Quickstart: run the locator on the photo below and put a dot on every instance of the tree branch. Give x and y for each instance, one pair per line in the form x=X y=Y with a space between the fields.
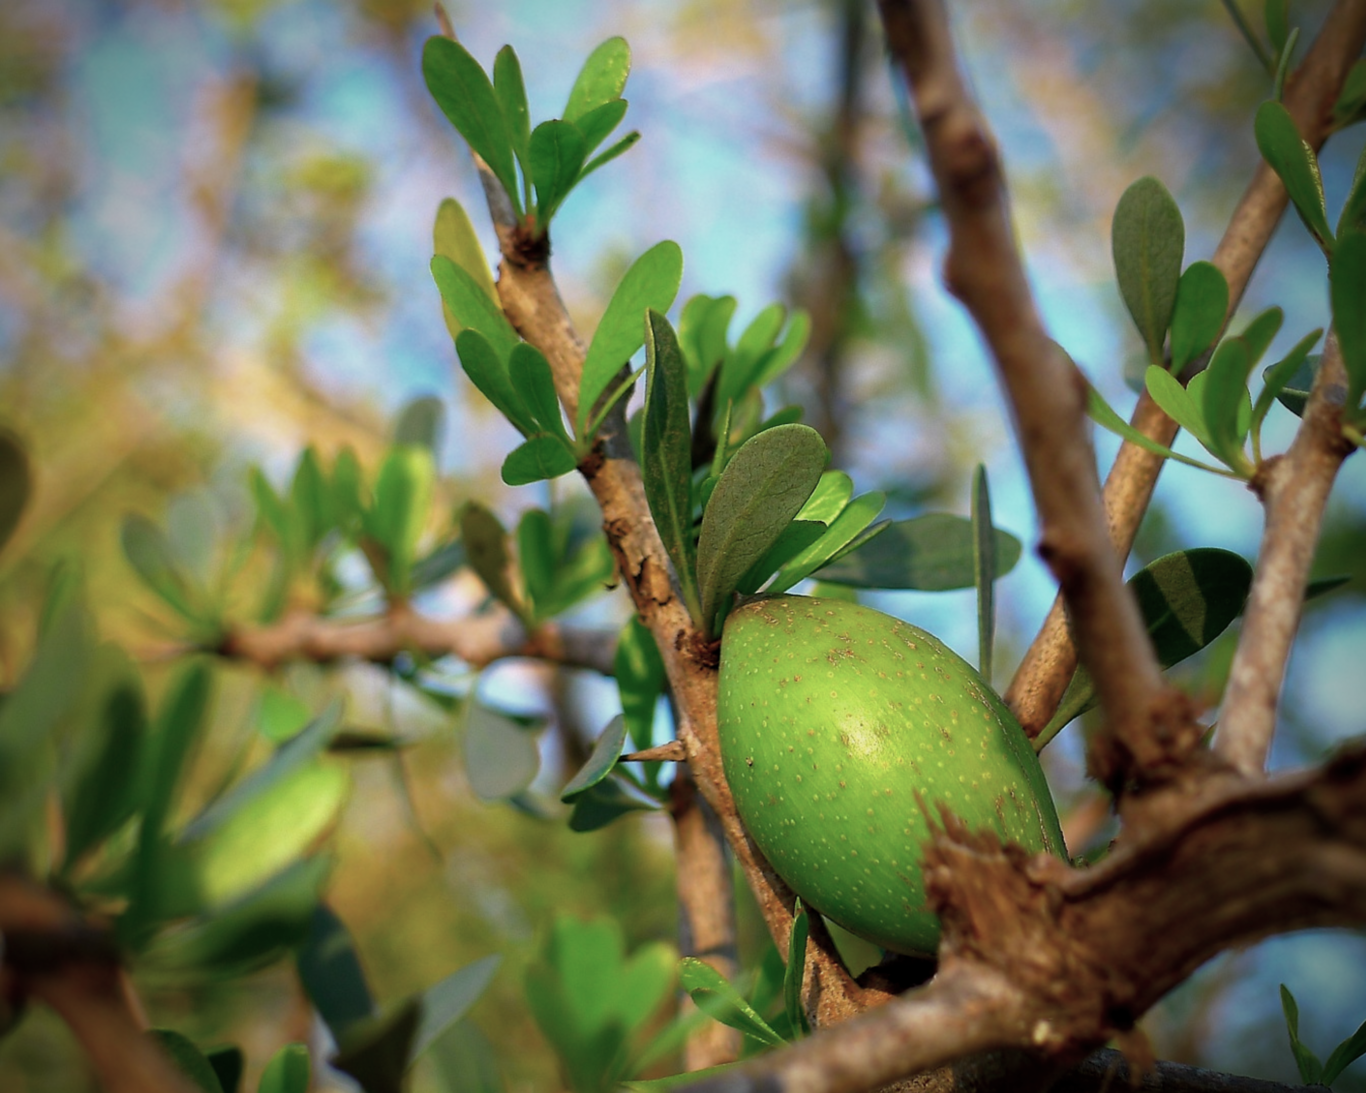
x=1147 y=727
x=478 y=640
x=1048 y=665
x=1294 y=487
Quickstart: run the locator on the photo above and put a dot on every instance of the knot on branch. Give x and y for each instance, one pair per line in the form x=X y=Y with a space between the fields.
x=526 y=247
x=1165 y=749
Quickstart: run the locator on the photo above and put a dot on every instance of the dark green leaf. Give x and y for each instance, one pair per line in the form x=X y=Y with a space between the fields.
x=1103 y=415
x=1294 y=391
x=486 y=547
x=187 y=1059
x=984 y=569
x=16 y=484
x=715 y=997
x=448 y=1001
x=844 y=529
x=1225 y=388
x=538 y=458
x=1147 y=239
x=1353 y=218
x=651 y=282
x=287 y=1071
x=606 y=801
x=501 y=757
x=932 y=553
x=480 y=362
x=795 y=971
x=1344 y=1055
x=228 y=1063
x=1276 y=14
x=666 y=453
x=1323 y=585
x=174 y=734
x=639 y=673
x=599 y=122
x=107 y=795
x=1276 y=376
x=149 y=553
x=1311 y=1070
x=1290 y=156
x=1352 y=98
x=602 y=78
x=687 y=1077
x=605 y=754
x=462 y=89
x=1260 y=333
x=531 y=377
x=331 y=973
x=797 y=538
x=1347 y=281
x=471 y=307
x=1201 y=304
x=510 y=89
x=376 y=1052
x=421 y=424
x=763 y=487
x=557 y=155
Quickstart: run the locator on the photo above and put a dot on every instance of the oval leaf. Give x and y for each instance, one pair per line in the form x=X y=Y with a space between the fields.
x=605 y=754
x=931 y=553
x=1147 y=240
x=501 y=757
x=715 y=997
x=602 y=78
x=1290 y=156
x=1198 y=316
x=538 y=458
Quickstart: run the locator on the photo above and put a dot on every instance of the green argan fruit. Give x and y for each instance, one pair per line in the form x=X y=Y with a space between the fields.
x=840 y=728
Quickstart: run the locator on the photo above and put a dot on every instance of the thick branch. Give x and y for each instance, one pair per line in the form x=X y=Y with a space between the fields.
x=478 y=640
x=1047 y=396
x=1043 y=674
x=1294 y=488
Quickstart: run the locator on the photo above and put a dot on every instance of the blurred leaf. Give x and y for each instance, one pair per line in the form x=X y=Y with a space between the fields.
x=984 y=569
x=309 y=500
x=1225 y=388
x=605 y=754
x=1275 y=377
x=280 y=715
x=107 y=795
x=602 y=79
x=843 y=530
x=536 y=553
x=16 y=484
x=666 y=453
x=1187 y=599
x=651 y=282
x=187 y=1059
x=1352 y=98
x=490 y=375
x=501 y=757
x=1347 y=281
x=462 y=89
x=466 y=1060
x=376 y=1052
x=228 y=1062
x=448 y=1001
x=557 y=155
x=715 y=997
x=1290 y=156
x=608 y=800
x=175 y=732
x=345 y=490
x=763 y=487
x=650 y=1085
x=403 y=498
x=1311 y=1070
x=795 y=971
x=1147 y=239
x=331 y=973
x=486 y=547
x=538 y=458
x=1344 y=1055
x=742 y=365
x=1276 y=15
x=510 y=89
x=149 y=553
x=1324 y=585
x=1198 y=316
x=639 y=673
x=421 y=424
x=931 y=553
x=434 y=567
x=471 y=307
x=287 y=1071
x=786 y=352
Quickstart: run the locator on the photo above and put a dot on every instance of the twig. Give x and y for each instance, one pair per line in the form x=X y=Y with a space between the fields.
x=672 y=752
x=478 y=640
x=1147 y=727
x=1294 y=488
x=1043 y=674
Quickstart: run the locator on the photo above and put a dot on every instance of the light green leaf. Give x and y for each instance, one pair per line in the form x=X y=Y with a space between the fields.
x=481 y=363
x=403 y=498
x=530 y=375
x=602 y=78
x=715 y=997
x=1176 y=402
x=651 y=282
x=538 y=458
x=762 y=489
x=1347 y=283
x=795 y=539
x=795 y=971
x=931 y=553
x=1102 y=414
x=1147 y=239
x=605 y=754
x=604 y=158
x=149 y=553
x=639 y=673
x=828 y=499
x=287 y=1071
x=702 y=335
x=1290 y=156
x=598 y=123
x=1201 y=304
x=843 y=530
x=1224 y=392
x=786 y=352
x=471 y=307
x=453 y=237
x=537 y=558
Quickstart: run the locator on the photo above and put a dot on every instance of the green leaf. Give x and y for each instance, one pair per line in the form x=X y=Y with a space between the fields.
x=449 y=1000
x=530 y=376
x=786 y=352
x=149 y=553
x=466 y=1061
x=828 y=499
x=376 y=1052
x=308 y=494
x=605 y=754
x=403 y=497
x=1187 y=599
x=666 y=453
x=1352 y=98
x=931 y=553
x=1225 y=389
x=651 y=282
x=598 y=123
x=602 y=78
x=330 y=971
x=1344 y=1055
x=471 y=307
x=16 y=484
x=1311 y=1070
x=762 y=489
x=797 y=538
x=174 y=734
x=1260 y=333
x=604 y=158
x=287 y=1071
x=1294 y=391
x=228 y=1062
x=639 y=673
x=1176 y=402
x=1290 y=156
x=106 y=796
x=557 y=155
x=1103 y=415
x=438 y=564
x=420 y=424
x=486 y=547
x=609 y=800
x=687 y=1077
x=344 y=492
x=501 y=757
x=510 y=90
x=1147 y=240
x=187 y=1059
x=715 y=997
x=462 y=89
x=741 y=366
x=843 y=530
x=537 y=557
x=796 y=971
x=1276 y=15
x=1353 y=217
x=1347 y=284
x=481 y=363
x=1198 y=316
x=984 y=569
x=538 y=458
x=453 y=237
x=702 y=335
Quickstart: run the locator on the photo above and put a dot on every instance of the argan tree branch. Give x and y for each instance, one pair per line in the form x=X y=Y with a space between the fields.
x=1147 y=727
x=1048 y=665
x=1294 y=487
x=478 y=640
